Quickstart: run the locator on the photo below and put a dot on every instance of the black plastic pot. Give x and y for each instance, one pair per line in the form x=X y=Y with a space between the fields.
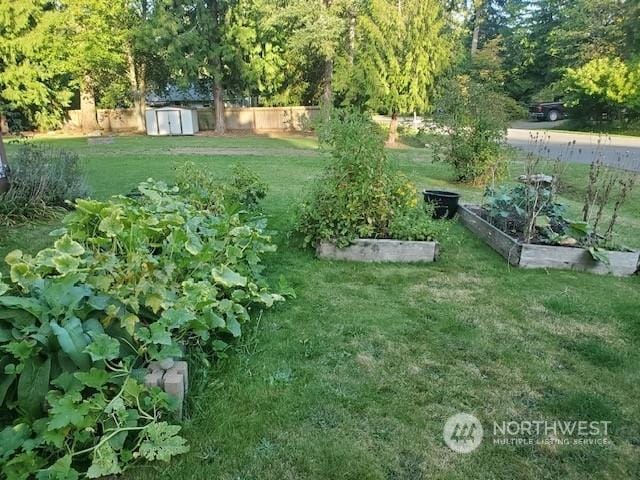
x=445 y=203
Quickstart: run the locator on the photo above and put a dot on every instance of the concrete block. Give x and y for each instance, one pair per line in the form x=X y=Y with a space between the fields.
x=154 y=365
x=182 y=368
x=154 y=378
x=174 y=386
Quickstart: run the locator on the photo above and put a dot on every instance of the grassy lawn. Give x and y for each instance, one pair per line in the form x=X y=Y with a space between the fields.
x=355 y=378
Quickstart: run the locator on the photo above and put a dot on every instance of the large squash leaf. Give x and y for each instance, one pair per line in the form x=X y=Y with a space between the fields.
x=33 y=385
x=72 y=341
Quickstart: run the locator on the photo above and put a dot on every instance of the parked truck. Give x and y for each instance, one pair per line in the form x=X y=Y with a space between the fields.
x=547 y=111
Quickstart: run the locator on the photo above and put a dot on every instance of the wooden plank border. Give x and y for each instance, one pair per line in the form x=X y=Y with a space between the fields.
x=380 y=250
x=528 y=255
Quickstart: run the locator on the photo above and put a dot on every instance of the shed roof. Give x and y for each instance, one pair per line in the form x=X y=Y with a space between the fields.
x=175 y=94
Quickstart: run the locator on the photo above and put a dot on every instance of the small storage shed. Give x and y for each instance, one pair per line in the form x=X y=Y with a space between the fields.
x=172 y=121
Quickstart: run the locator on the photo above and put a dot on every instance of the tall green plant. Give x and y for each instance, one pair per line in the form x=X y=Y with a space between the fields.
x=476 y=120
x=360 y=193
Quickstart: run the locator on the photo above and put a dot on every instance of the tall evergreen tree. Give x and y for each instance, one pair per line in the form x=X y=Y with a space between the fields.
x=34 y=74
x=319 y=30
x=400 y=50
x=195 y=42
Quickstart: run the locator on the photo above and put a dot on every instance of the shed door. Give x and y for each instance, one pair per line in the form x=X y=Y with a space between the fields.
x=169 y=122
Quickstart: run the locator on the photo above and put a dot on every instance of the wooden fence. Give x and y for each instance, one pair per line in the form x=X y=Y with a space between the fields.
x=236 y=119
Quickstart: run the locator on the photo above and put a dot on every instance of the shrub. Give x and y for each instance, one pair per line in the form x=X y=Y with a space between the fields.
x=476 y=117
x=128 y=280
x=42 y=180
x=245 y=190
x=604 y=87
x=359 y=193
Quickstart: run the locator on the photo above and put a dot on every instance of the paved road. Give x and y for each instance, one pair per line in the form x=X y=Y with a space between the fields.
x=623 y=152
x=616 y=150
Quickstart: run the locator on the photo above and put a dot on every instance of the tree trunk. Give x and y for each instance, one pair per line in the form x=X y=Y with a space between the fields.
x=327 y=78
x=88 y=113
x=393 y=129
x=327 y=75
x=137 y=83
x=4 y=167
x=218 y=105
x=218 y=89
x=352 y=36
x=475 y=37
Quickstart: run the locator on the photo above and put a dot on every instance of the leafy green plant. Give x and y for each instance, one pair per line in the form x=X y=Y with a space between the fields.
x=509 y=208
x=70 y=375
x=245 y=190
x=418 y=224
x=476 y=119
x=359 y=193
x=42 y=180
x=127 y=281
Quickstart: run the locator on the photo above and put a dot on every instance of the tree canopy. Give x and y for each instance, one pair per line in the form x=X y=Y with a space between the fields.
x=387 y=56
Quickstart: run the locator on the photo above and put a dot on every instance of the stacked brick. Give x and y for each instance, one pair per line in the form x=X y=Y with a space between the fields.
x=172 y=377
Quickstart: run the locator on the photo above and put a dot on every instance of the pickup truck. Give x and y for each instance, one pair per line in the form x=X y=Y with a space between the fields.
x=549 y=111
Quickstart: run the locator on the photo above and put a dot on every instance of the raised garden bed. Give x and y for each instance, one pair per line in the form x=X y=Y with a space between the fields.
x=528 y=255
x=380 y=250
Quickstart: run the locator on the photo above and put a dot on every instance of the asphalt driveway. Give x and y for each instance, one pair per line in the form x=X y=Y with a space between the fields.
x=619 y=151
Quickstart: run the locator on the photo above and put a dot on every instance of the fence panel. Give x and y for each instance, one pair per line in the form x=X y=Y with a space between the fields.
x=236 y=119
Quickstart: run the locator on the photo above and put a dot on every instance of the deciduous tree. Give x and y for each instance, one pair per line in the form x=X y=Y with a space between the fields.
x=95 y=39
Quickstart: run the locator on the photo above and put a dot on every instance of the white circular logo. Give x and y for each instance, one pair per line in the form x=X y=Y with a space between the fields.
x=463 y=433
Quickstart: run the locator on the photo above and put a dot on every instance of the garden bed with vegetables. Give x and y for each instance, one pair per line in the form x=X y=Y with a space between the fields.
x=363 y=209
x=528 y=226
x=531 y=255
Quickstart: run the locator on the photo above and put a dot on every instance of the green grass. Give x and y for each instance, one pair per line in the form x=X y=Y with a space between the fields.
x=355 y=378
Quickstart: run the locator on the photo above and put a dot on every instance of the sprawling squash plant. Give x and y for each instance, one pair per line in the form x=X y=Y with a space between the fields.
x=128 y=280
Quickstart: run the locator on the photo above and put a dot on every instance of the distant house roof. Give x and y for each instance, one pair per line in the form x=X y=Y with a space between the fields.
x=173 y=94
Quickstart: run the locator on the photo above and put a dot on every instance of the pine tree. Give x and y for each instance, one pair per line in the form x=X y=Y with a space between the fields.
x=34 y=77
x=401 y=48
x=195 y=43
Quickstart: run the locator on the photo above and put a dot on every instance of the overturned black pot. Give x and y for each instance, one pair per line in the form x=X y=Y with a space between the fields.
x=445 y=203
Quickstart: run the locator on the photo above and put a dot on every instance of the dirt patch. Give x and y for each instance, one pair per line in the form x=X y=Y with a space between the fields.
x=258 y=152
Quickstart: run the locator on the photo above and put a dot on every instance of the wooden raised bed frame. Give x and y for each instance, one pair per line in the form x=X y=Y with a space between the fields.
x=529 y=255
x=380 y=250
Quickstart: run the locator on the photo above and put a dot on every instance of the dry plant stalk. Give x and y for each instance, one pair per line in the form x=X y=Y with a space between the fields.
x=626 y=187
x=535 y=202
